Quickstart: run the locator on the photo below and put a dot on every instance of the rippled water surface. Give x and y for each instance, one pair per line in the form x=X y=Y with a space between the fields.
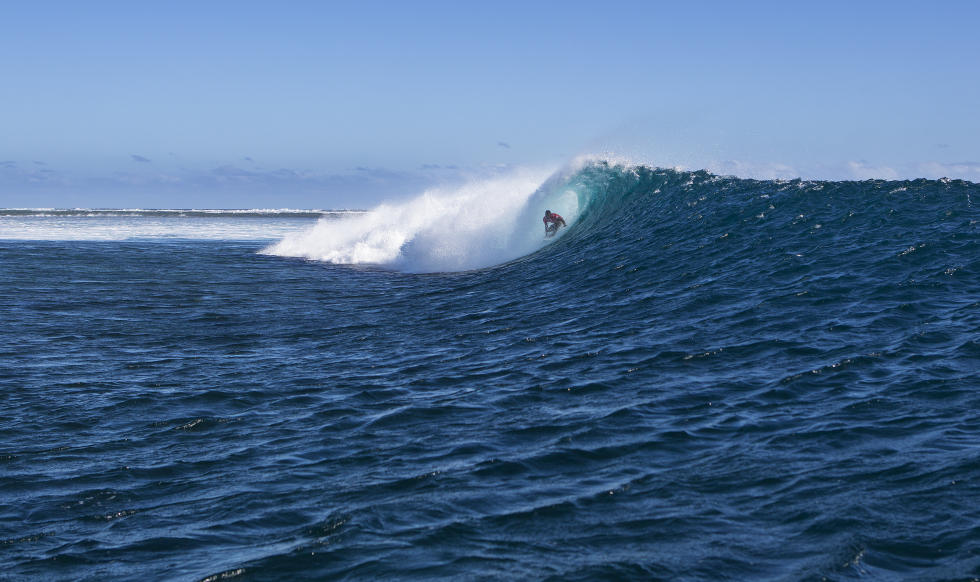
x=704 y=378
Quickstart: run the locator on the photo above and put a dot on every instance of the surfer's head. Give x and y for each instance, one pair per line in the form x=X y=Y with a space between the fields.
x=547 y=213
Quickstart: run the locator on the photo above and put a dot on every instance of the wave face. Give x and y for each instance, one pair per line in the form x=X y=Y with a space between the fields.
x=760 y=232
x=615 y=210
x=704 y=377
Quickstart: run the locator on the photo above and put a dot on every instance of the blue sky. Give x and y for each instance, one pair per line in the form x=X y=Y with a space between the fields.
x=319 y=104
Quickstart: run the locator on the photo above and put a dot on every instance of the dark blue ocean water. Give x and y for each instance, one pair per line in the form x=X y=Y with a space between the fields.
x=704 y=378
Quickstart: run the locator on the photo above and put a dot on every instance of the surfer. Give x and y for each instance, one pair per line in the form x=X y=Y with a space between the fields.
x=552 y=222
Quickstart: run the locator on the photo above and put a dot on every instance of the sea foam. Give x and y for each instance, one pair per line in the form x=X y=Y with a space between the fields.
x=482 y=223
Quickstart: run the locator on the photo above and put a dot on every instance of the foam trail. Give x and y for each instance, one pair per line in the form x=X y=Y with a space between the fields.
x=478 y=225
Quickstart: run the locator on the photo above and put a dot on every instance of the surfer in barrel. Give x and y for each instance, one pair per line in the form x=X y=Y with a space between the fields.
x=552 y=222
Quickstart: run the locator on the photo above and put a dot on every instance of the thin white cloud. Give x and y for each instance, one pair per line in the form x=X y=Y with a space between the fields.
x=962 y=170
x=758 y=171
x=850 y=170
x=930 y=170
x=862 y=170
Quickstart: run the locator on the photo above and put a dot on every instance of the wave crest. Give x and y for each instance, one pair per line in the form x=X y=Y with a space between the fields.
x=481 y=224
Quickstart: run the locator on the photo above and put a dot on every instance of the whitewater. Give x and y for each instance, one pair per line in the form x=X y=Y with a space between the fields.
x=481 y=224
x=703 y=377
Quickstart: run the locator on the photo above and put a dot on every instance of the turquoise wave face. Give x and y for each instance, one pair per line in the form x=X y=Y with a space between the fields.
x=674 y=222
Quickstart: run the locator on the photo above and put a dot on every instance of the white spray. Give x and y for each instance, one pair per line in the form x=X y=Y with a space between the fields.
x=481 y=224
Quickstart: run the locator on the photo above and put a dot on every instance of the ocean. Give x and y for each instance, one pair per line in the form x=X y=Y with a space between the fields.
x=700 y=378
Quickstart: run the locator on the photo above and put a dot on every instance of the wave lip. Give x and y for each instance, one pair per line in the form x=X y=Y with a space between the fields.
x=484 y=223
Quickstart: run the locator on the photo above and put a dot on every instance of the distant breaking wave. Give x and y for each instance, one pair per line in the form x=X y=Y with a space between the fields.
x=98 y=224
x=170 y=212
